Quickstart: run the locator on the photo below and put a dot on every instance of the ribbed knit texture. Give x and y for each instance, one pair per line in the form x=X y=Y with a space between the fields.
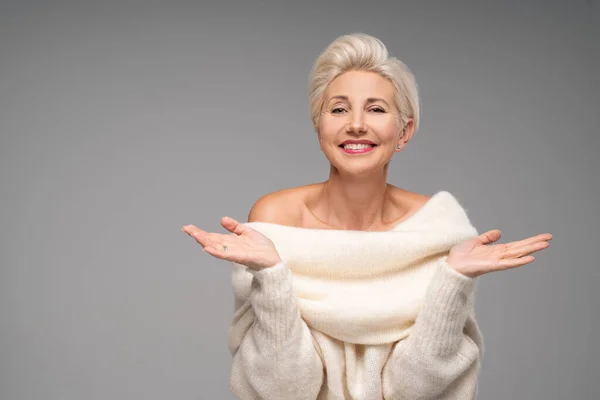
x=359 y=315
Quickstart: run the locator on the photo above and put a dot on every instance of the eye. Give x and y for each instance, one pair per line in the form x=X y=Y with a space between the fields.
x=378 y=109
x=337 y=110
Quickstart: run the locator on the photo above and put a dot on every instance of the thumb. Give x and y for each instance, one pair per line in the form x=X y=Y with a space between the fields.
x=233 y=225
x=490 y=236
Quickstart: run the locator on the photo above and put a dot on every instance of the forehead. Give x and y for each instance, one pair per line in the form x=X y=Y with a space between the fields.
x=360 y=84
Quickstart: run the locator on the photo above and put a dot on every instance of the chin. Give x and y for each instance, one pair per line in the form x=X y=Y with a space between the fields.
x=359 y=171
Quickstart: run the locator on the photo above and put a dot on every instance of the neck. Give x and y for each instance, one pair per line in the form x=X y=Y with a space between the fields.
x=359 y=203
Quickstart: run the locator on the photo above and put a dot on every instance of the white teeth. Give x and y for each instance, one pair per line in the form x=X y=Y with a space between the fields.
x=356 y=146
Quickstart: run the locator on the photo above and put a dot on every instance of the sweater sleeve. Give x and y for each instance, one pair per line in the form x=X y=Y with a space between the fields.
x=440 y=359
x=274 y=355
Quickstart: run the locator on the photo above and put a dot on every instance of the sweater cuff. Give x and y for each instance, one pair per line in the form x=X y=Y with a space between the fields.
x=273 y=283
x=442 y=318
x=447 y=277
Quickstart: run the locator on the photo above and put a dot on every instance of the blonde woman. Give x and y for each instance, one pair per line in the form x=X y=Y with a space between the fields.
x=353 y=288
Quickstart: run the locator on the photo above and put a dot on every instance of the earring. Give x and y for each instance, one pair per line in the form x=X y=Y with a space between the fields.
x=398 y=146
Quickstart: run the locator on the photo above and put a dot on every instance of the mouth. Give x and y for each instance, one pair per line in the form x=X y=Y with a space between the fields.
x=357 y=148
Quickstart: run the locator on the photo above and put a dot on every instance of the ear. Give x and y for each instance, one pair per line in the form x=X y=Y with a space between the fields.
x=405 y=134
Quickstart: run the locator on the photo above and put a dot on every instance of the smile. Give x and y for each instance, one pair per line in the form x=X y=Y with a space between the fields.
x=357 y=148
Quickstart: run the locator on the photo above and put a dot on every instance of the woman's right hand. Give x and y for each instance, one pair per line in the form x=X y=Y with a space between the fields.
x=247 y=246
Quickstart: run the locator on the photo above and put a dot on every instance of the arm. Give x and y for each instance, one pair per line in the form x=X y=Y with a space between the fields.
x=274 y=356
x=440 y=359
x=273 y=352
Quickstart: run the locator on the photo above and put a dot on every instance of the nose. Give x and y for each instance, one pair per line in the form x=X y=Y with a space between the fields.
x=357 y=123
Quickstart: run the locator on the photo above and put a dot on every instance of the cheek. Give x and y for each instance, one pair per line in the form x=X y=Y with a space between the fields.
x=386 y=128
x=331 y=125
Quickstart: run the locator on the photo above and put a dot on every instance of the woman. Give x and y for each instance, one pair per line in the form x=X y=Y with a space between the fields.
x=353 y=288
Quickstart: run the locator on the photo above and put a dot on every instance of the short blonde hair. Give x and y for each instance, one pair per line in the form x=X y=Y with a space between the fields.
x=363 y=52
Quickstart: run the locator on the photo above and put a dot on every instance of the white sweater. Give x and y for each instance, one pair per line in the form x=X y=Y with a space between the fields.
x=359 y=314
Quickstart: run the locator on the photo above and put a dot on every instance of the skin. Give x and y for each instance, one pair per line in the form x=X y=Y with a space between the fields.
x=358 y=105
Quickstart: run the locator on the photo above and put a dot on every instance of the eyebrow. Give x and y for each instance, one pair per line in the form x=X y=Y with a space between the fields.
x=369 y=100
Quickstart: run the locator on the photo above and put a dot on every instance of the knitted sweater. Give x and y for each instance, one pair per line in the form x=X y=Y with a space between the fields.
x=360 y=315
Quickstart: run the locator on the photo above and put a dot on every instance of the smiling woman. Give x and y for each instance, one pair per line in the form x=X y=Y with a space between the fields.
x=352 y=102
x=353 y=288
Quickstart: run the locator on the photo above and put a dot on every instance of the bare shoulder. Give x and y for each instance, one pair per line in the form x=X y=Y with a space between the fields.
x=416 y=199
x=280 y=207
x=407 y=201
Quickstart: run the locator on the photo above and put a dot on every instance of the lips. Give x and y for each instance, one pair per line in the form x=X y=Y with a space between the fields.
x=362 y=141
x=357 y=149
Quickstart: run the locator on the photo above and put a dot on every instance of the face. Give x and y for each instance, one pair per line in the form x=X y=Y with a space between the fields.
x=359 y=106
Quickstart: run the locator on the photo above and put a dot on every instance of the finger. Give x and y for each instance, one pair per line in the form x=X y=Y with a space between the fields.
x=521 y=251
x=515 y=262
x=233 y=225
x=195 y=232
x=490 y=236
x=203 y=237
x=534 y=239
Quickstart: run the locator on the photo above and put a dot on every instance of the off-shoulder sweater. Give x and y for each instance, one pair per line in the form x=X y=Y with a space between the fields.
x=363 y=315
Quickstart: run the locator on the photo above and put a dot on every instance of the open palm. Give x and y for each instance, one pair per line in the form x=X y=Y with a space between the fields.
x=246 y=246
x=476 y=256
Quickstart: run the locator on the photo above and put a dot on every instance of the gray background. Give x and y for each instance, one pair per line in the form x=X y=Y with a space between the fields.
x=121 y=121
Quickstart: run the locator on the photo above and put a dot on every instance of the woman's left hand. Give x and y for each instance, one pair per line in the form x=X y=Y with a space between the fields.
x=474 y=257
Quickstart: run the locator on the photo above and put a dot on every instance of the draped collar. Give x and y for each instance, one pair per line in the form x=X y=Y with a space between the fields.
x=366 y=286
